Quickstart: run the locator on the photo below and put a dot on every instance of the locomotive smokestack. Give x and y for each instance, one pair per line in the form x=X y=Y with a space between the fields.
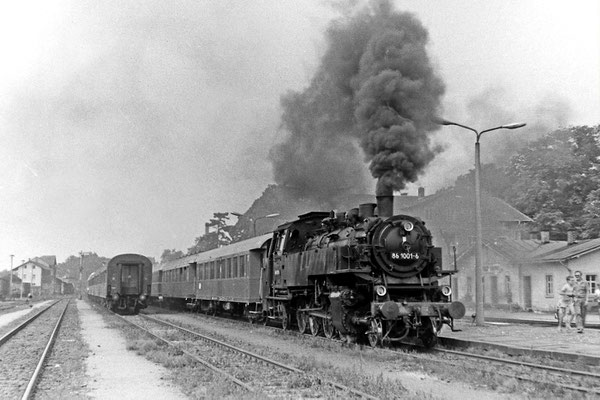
x=385 y=199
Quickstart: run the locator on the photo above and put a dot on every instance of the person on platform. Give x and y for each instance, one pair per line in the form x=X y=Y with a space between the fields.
x=580 y=300
x=565 y=304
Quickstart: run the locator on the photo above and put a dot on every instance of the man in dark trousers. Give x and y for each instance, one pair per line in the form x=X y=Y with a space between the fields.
x=580 y=300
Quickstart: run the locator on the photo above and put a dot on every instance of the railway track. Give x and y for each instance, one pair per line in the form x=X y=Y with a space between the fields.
x=570 y=377
x=25 y=349
x=249 y=371
x=574 y=378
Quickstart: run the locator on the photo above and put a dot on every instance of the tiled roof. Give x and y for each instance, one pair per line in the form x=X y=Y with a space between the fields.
x=571 y=251
x=534 y=251
x=524 y=249
x=497 y=208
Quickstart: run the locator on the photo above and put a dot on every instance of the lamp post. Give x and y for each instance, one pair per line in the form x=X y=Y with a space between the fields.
x=255 y=219
x=264 y=216
x=479 y=317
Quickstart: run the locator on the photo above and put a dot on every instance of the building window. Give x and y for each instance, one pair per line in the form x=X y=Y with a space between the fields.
x=549 y=286
x=592 y=281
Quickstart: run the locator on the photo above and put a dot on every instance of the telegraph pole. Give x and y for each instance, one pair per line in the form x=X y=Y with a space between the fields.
x=80 y=273
x=10 y=277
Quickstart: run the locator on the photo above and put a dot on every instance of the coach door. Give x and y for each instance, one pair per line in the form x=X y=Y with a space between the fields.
x=130 y=278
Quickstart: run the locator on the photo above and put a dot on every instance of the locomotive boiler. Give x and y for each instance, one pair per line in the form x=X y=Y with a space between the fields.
x=362 y=274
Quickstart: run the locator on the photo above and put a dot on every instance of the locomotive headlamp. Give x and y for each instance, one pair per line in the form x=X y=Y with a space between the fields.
x=380 y=290
x=142 y=297
x=115 y=297
x=446 y=291
x=408 y=226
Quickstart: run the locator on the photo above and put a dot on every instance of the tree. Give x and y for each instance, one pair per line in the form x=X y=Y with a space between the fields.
x=211 y=240
x=70 y=267
x=168 y=255
x=554 y=180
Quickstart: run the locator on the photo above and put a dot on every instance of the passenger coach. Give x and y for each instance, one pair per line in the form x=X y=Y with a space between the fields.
x=123 y=285
x=226 y=279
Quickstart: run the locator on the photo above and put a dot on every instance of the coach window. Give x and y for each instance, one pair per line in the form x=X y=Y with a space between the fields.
x=228 y=268
x=242 y=266
x=235 y=267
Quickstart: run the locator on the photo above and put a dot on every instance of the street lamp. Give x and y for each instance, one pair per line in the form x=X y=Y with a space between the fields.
x=255 y=219
x=264 y=216
x=479 y=318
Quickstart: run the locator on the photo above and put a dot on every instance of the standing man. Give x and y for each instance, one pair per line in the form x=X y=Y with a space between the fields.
x=580 y=300
x=565 y=303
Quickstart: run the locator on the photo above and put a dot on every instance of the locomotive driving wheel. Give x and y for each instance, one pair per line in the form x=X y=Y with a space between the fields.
x=328 y=328
x=375 y=332
x=285 y=317
x=302 y=321
x=315 y=325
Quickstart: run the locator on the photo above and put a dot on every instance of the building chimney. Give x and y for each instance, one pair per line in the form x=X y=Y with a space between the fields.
x=385 y=199
x=421 y=192
x=206 y=228
x=571 y=237
x=545 y=237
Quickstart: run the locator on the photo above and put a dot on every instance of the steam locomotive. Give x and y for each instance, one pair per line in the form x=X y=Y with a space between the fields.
x=366 y=277
x=123 y=285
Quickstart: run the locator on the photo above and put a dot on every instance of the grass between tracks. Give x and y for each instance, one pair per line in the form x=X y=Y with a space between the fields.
x=199 y=383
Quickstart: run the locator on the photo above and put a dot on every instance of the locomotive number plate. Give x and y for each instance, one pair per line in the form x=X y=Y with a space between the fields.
x=405 y=256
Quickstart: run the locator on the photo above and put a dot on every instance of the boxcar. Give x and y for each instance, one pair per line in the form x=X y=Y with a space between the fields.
x=123 y=285
x=226 y=279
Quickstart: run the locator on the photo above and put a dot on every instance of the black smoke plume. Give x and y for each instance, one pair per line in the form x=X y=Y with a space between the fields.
x=375 y=88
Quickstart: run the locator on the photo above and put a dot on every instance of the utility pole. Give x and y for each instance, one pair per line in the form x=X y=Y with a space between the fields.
x=80 y=273
x=10 y=277
x=82 y=254
x=21 y=296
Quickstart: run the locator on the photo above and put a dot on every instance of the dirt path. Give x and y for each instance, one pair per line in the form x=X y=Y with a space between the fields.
x=115 y=372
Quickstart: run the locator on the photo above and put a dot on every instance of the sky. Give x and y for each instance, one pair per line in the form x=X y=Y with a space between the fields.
x=125 y=125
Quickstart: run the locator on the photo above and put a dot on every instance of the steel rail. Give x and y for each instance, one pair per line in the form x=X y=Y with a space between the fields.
x=36 y=374
x=23 y=324
x=259 y=357
x=533 y=366
x=521 y=363
x=192 y=356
